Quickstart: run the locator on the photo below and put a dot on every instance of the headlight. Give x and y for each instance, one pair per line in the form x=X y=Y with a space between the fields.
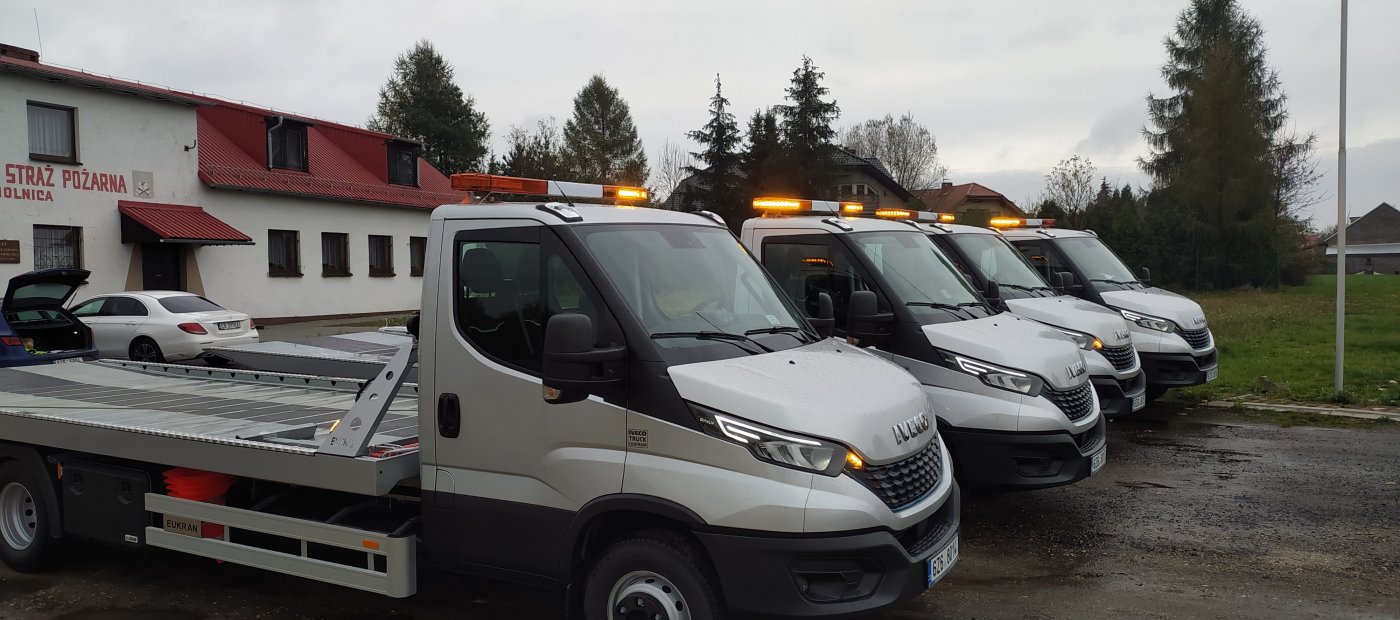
x=996 y=376
x=1085 y=341
x=1149 y=321
x=776 y=447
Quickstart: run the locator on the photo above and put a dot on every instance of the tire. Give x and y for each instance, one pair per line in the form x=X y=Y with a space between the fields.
x=662 y=570
x=1155 y=392
x=216 y=361
x=26 y=544
x=144 y=349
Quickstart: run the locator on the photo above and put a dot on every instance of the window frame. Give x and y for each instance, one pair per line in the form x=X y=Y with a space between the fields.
x=72 y=128
x=327 y=269
x=77 y=245
x=393 y=149
x=293 y=252
x=381 y=271
x=417 y=256
x=287 y=126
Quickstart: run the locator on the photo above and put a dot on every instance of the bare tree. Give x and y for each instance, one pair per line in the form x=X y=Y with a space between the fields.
x=1295 y=165
x=907 y=148
x=671 y=165
x=1070 y=185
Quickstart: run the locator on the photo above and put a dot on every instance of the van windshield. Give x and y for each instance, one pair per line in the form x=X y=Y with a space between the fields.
x=919 y=275
x=1098 y=263
x=994 y=259
x=695 y=290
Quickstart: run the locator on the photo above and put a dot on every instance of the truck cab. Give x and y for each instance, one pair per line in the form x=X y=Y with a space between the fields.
x=994 y=265
x=1013 y=397
x=1169 y=330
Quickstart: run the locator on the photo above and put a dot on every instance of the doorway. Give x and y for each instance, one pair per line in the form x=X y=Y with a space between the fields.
x=162 y=267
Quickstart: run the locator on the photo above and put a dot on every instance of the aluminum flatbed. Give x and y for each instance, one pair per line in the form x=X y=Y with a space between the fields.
x=358 y=355
x=269 y=426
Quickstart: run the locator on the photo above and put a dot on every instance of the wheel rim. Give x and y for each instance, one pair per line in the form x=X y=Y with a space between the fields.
x=19 y=521
x=144 y=352
x=644 y=595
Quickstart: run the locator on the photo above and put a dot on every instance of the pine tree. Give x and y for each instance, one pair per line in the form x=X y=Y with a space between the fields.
x=715 y=185
x=807 y=133
x=537 y=154
x=759 y=162
x=420 y=101
x=600 y=141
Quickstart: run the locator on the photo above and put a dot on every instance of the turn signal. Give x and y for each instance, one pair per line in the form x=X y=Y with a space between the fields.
x=854 y=461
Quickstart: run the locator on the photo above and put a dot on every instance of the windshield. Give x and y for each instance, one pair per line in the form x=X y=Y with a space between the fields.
x=689 y=284
x=1098 y=263
x=918 y=274
x=994 y=259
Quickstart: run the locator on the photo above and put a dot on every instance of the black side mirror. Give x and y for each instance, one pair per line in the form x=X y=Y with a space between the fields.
x=825 y=320
x=412 y=325
x=1067 y=283
x=573 y=367
x=992 y=293
x=1146 y=277
x=863 y=320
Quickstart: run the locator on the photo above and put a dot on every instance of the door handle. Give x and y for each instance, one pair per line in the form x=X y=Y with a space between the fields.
x=449 y=415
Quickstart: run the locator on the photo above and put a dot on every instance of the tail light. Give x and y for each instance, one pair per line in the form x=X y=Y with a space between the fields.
x=251 y=326
x=192 y=328
x=12 y=341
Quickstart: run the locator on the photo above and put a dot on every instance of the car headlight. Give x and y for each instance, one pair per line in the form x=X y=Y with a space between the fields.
x=771 y=445
x=1149 y=321
x=996 y=376
x=1085 y=341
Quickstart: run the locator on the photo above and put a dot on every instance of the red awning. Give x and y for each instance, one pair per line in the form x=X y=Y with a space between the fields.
x=151 y=221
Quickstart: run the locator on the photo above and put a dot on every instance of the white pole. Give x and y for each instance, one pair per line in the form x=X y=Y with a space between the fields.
x=1342 y=210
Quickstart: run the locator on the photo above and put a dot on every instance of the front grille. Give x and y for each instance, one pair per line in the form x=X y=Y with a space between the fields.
x=1089 y=440
x=920 y=538
x=1076 y=403
x=1197 y=338
x=1122 y=358
x=903 y=482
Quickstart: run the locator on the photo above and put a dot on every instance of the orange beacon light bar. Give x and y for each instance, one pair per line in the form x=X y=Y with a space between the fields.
x=1016 y=222
x=495 y=183
x=778 y=205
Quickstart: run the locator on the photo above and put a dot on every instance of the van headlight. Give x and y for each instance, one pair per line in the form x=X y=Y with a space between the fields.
x=771 y=445
x=1149 y=321
x=996 y=376
x=1085 y=341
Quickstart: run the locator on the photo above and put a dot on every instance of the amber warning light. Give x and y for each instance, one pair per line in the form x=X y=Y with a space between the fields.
x=499 y=184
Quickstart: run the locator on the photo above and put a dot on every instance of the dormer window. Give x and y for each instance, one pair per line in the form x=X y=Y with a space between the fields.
x=403 y=163
x=286 y=144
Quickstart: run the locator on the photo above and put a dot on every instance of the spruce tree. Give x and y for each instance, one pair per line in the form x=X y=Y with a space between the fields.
x=807 y=132
x=715 y=184
x=420 y=101
x=600 y=141
x=536 y=154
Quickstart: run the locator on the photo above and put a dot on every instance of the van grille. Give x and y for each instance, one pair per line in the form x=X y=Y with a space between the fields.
x=1089 y=440
x=1122 y=358
x=1076 y=403
x=1197 y=338
x=902 y=483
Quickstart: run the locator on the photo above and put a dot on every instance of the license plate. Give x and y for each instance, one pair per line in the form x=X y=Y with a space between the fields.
x=229 y=324
x=1096 y=462
x=1212 y=373
x=69 y=360
x=942 y=562
x=1139 y=401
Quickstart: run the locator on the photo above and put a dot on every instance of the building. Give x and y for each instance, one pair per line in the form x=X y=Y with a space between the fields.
x=277 y=215
x=1373 y=243
x=856 y=179
x=974 y=203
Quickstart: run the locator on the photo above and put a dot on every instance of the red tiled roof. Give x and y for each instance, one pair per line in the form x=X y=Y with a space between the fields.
x=181 y=223
x=950 y=198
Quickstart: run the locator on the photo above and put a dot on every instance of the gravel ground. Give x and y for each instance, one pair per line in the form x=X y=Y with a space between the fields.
x=1198 y=514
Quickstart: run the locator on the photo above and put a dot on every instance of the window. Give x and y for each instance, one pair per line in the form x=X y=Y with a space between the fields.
x=381 y=256
x=91 y=307
x=807 y=269
x=855 y=189
x=286 y=144
x=403 y=164
x=182 y=304
x=57 y=246
x=125 y=306
x=417 y=252
x=335 y=254
x=283 y=253
x=53 y=133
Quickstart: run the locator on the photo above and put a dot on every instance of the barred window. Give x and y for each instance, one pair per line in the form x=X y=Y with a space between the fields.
x=335 y=254
x=58 y=246
x=381 y=256
x=283 y=253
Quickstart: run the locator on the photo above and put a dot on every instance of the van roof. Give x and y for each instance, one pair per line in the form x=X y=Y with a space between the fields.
x=954 y=229
x=591 y=214
x=1030 y=233
x=857 y=224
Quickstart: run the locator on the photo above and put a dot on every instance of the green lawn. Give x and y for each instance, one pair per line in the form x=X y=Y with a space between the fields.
x=1278 y=346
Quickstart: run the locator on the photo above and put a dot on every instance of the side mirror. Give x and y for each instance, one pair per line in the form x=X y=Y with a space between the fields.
x=573 y=367
x=992 y=293
x=863 y=320
x=825 y=320
x=412 y=325
x=1066 y=283
x=1146 y=277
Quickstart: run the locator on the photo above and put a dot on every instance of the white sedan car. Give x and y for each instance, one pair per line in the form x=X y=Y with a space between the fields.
x=162 y=326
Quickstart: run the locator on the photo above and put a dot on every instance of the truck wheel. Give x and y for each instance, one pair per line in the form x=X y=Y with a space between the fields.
x=24 y=527
x=1155 y=392
x=144 y=349
x=654 y=575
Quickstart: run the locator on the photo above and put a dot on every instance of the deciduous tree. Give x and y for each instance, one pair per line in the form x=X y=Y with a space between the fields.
x=906 y=147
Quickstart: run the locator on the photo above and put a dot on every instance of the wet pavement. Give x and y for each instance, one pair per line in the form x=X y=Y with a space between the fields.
x=1198 y=514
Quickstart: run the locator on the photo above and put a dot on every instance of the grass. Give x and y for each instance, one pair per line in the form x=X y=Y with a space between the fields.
x=1279 y=346
x=1287 y=419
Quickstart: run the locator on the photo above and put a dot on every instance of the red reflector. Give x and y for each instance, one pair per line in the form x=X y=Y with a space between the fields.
x=11 y=341
x=475 y=181
x=192 y=328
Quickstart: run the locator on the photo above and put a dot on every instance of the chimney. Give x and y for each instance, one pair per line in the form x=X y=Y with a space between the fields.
x=11 y=51
x=947 y=184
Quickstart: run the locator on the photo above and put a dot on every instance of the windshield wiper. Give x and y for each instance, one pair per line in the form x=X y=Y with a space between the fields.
x=781 y=329
x=737 y=340
x=1112 y=281
x=962 y=307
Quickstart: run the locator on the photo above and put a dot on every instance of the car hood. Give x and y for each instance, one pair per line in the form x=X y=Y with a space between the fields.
x=1176 y=308
x=1076 y=314
x=828 y=389
x=1016 y=343
x=44 y=289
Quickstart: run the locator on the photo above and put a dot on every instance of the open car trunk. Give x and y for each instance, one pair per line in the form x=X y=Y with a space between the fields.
x=52 y=331
x=33 y=307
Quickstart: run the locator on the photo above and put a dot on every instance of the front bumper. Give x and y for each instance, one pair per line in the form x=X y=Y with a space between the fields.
x=1178 y=369
x=1022 y=461
x=829 y=575
x=1115 y=396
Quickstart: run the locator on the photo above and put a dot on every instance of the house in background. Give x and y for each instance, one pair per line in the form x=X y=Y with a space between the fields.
x=974 y=204
x=857 y=179
x=1373 y=243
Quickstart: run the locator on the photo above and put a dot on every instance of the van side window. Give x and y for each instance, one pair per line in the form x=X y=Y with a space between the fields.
x=804 y=270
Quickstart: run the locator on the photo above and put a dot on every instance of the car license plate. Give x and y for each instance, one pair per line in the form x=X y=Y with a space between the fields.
x=69 y=360
x=942 y=562
x=229 y=324
x=1212 y=373
x=1139 y=401
x=1096 y=462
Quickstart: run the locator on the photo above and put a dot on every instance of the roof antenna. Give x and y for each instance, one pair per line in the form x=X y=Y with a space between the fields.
x=37 y=33
x=567 y=200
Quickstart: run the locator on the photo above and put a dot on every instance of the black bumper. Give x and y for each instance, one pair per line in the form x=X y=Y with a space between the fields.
x=1178 y=369
x=1021 y=461
x=808 y=576
x=1116 y=397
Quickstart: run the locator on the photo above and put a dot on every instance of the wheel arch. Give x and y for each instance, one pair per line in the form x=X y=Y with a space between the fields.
x=608 y=518
x=32 y=459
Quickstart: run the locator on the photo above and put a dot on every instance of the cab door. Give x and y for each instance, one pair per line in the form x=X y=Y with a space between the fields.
x=113 y=321
x=510 y=469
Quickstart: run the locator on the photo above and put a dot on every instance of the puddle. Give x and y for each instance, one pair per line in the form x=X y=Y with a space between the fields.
x=11 y=588
x=126 y=613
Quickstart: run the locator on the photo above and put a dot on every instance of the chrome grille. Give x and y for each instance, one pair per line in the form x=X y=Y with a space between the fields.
x=903 y=482
x=1076 y=403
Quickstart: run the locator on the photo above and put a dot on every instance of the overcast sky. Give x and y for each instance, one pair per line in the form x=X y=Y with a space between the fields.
x=1008 y=87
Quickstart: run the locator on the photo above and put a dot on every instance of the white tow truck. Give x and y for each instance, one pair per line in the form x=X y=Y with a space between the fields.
x=616 y=403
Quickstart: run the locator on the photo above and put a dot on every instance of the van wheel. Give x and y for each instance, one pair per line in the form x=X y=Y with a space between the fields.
x=25 y=543
x=144 y=349
x=1155 y=392
x=652 y=575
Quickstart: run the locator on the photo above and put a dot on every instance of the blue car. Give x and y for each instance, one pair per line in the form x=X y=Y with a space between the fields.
x=35 y=328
